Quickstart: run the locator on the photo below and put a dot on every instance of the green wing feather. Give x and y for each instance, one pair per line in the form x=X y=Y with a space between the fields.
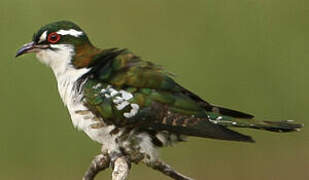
x=162 y=103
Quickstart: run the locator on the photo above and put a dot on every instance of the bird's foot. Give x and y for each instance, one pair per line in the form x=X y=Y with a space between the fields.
x=114 y=156
x=119 y=163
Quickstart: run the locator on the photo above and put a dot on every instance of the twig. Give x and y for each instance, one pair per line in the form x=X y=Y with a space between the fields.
x=121 y=168
x=99 y=163
x=168 y=170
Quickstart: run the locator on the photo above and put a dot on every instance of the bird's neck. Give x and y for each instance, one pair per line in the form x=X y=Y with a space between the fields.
x=61 y=60
x=76 y=66
x=84 y=55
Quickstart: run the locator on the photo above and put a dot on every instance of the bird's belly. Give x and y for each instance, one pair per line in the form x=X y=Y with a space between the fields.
x=93 y=126
x=112 y=141
x=82 y=118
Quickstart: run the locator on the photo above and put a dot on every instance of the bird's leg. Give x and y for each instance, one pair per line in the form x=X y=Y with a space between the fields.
x=99 y=163
x=167 y=170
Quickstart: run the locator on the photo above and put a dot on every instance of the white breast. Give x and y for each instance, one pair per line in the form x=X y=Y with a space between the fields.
x=66 y=75
x=60 y=62
x=82 y=118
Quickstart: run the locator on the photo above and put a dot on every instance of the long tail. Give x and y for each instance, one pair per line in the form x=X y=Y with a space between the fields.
x=275 y=126
x=217 y=125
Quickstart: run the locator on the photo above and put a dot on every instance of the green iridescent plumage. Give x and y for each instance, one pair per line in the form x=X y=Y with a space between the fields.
x=162 y=103
x=126 y=91
x=54 y=27
x=129 y=105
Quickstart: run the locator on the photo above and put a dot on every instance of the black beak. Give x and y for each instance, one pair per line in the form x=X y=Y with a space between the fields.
x=31 y=47
x=27 y=48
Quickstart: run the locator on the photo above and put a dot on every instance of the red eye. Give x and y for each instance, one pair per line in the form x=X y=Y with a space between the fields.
x=53 y=37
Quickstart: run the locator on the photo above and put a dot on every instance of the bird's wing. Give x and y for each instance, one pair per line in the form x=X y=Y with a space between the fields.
x=129 y=92
x=122 y=68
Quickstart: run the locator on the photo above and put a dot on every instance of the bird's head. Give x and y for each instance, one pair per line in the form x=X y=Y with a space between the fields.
x=61 y=43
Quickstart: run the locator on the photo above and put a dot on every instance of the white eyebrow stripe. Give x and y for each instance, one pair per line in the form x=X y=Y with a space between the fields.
x=71 y=32
x=43 y=36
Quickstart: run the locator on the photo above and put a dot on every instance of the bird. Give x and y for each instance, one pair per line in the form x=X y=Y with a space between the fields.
x=128 y=105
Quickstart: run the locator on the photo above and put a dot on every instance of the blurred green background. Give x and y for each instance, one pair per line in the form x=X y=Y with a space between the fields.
x=250 y=55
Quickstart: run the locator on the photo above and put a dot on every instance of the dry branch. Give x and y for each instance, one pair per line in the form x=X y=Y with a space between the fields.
x=168 y=170
x=121 y=168
x=99 y=163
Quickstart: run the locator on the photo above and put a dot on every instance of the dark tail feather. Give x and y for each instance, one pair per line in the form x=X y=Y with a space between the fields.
x=218 y=129
x=214 y=108
x=278 y=126
x=228 y=112
x=275 y=126
x=232 y=118
x=205 y=129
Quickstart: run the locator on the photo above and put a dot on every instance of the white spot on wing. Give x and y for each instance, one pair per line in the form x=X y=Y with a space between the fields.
x=133 y=111
x=113 y=92
x=117 y=100
x=122 y=105
x=219 y=118
x=121 y=100
x=71 y=32
x=135 y=106
x=97 y=86
x=126 y=95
